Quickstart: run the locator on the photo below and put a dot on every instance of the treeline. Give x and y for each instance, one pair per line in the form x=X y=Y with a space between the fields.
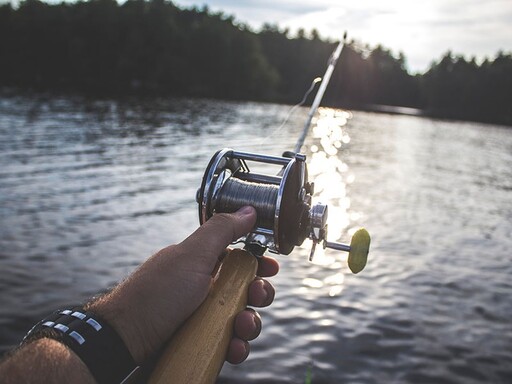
x=104 y=47
x=155 y=47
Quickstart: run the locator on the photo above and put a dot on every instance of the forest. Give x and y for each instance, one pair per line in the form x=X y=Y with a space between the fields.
x=154 y=47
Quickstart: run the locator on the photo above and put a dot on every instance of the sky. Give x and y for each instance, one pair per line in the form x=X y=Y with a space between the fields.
x=422 y=30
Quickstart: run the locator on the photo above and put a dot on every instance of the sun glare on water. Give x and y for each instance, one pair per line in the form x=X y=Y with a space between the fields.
x=331 y=177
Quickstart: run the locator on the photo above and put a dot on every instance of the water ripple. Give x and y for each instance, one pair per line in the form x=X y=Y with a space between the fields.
x=90 y=188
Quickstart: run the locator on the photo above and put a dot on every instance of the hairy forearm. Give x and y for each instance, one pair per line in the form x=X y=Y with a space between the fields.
x=128 y=309
x=147 y=308
x=44 y=361
x=138 y=307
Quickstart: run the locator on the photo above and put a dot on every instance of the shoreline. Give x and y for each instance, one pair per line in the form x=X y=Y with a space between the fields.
x=375 y=108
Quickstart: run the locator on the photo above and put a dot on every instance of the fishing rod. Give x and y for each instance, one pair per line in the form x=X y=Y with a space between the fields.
x=286 y=217
x=320 y=94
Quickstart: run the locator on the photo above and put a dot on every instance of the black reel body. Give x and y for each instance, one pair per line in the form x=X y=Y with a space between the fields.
x=282 y=201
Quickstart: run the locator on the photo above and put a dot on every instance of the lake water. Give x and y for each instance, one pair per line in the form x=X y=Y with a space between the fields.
x=89 y=189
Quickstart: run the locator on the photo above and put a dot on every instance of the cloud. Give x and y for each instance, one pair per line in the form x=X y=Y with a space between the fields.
x=422 y=30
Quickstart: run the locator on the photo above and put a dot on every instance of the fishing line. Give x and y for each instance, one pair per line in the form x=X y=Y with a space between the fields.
x=315 y=81
x=360 y=48
x=320 y=94
x=301 y=103
x=333 y=59
x=236 y=193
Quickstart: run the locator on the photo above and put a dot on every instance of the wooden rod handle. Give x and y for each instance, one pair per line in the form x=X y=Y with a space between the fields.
x=196 y=352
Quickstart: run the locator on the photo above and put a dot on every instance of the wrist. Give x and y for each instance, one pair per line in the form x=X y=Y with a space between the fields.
x=124 y=323
x=92 y=339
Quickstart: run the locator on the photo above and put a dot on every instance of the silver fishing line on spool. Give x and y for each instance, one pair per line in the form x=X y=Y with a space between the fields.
x=236 y=193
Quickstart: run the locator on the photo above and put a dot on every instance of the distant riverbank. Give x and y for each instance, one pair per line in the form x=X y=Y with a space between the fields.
x=435 y=114
x=14 y=92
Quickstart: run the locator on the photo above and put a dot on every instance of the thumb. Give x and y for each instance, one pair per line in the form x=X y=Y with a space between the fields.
x=211 y=239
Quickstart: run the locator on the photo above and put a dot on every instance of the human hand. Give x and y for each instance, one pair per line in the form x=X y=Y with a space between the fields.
x=157 y=298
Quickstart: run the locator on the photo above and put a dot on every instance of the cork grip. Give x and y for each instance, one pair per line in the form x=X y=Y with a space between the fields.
x=196 y=352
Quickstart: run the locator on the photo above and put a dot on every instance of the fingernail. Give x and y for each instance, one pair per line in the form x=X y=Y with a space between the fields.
x=257 y=324
x=270 y=295
x=247 y=350
x=256 y=319
x=244 y=211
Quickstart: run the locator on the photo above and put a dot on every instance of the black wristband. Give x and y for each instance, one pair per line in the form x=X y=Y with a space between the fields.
x=94 y=341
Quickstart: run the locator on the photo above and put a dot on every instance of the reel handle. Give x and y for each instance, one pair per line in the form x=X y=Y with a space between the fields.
x=357 y=250
x=196 y=352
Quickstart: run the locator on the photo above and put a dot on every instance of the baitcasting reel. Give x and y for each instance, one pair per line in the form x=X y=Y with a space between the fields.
x=286 y=216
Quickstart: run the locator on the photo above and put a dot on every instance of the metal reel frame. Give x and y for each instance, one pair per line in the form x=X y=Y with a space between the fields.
x=292 y=205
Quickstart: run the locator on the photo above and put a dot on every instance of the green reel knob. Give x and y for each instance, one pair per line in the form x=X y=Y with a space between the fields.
x=359 y=248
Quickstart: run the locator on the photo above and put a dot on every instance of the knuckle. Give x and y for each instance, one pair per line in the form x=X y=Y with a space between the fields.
x=225 y=220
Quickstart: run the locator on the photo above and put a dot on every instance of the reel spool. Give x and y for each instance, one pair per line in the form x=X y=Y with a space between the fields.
x=286 y=216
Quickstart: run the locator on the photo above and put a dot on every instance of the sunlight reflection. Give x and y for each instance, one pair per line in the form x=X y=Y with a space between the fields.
x=327 y=322
x=328 y=171
x=336 y=282
x=336 y=290
x=313 y=283
x=315 y=315
x=335 y=279
x=337 y=265
x=331 y=175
